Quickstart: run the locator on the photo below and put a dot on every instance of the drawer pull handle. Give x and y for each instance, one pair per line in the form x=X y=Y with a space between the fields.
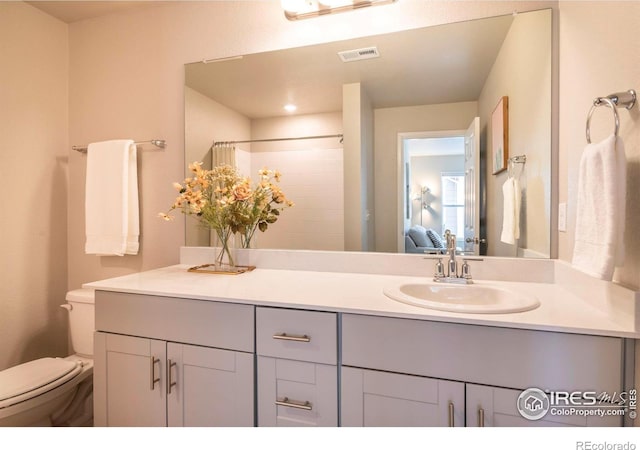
x=152 y=372
x=480 y=417
x=292 y=337
x=294 y=404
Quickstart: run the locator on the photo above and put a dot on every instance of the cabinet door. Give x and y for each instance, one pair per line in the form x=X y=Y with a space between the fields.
x=296 y=393
x=208 y=387
x=497 y=407
x=129 y=382
x=377 y=399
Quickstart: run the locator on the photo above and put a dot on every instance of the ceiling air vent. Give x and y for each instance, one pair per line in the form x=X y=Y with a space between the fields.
x=359 y=54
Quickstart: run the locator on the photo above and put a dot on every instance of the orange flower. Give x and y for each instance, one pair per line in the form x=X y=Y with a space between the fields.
x=242 y=191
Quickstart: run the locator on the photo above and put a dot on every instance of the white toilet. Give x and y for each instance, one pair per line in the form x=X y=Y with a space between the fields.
x=55 y=391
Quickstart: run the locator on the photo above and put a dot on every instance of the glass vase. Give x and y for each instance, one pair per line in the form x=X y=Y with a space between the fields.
x=226 y=251
x=248 y=239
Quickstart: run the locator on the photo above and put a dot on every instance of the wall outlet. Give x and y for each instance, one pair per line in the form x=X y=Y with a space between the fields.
x=562 y=217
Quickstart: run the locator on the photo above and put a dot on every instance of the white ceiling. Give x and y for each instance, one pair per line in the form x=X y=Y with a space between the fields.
x=73 y=11
x=441 y=64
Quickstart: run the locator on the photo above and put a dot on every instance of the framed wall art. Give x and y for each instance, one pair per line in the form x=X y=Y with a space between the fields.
x=500 y=136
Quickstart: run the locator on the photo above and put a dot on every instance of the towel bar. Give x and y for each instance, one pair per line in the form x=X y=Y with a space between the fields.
x=160 y=143
x=625 y=99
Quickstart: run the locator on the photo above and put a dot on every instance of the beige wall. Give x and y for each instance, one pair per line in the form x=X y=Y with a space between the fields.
x=358 y=126
x=522 y=71
x=596 y=60
x=206 y=121
x=126 y=79
x=296 y=126
x=34 y=151
x=388 y=123
x=367 y=172
x=354 y=235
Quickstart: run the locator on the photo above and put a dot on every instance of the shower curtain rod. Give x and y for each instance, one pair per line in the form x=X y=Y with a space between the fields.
x=216 y=143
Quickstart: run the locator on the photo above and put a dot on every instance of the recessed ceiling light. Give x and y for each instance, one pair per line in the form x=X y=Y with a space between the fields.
x=290 y=108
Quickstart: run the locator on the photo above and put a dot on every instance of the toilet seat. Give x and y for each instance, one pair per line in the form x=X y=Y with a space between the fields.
x=33 y=378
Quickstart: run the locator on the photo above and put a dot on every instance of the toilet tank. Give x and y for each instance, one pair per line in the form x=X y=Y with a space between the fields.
x=81 y=306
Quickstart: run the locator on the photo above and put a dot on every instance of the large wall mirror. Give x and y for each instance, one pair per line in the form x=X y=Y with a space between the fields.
x=444 y=127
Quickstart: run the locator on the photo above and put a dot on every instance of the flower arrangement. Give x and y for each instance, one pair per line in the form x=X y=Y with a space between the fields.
x=226 y=202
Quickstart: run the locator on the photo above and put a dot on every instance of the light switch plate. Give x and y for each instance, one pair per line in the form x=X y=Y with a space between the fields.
x=562 y=217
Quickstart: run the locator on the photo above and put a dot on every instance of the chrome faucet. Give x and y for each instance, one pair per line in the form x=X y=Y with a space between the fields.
x=451 y=251
x=452 y=275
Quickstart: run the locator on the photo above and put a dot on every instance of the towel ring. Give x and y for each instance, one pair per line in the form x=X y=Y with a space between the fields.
x=602 y=101
x=626 y=99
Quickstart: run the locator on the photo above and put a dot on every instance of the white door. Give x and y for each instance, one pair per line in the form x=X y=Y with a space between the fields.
x=209 y=387
x=370 y=398
x=472 y=188
x=129 y=382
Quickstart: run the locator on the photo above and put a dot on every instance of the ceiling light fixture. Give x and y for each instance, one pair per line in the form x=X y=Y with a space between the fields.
x=304 y=9
x=290 y=108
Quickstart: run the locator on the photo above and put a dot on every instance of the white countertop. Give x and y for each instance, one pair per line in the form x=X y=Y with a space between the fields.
x=561 y=309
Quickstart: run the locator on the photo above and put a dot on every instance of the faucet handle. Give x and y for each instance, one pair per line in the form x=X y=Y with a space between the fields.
x=439 y=270
x=466 y=270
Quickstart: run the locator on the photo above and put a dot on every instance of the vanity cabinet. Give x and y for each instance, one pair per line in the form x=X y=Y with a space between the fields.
x=126 y=368
x=390 y=364
x=297 y=367
x=162 y=361
x=165 y=361
x=216 y=388
x=372 y=398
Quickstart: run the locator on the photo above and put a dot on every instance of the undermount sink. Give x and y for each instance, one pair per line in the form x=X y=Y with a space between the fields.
x=472 y=298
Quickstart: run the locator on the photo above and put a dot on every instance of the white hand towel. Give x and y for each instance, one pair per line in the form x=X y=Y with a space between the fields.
x=111 y=200
x=602 y=193
x=511 y=211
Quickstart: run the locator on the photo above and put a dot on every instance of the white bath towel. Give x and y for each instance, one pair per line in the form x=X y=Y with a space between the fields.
x=511 y=211
x=111 y=199
x=600 y=218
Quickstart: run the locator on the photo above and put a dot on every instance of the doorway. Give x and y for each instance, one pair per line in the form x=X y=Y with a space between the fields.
x=439 y=184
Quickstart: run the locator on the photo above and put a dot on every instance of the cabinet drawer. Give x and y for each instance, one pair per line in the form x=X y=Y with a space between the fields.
x=212 y=324
x=294 y=334
x=295 y=393
x=484 y=355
